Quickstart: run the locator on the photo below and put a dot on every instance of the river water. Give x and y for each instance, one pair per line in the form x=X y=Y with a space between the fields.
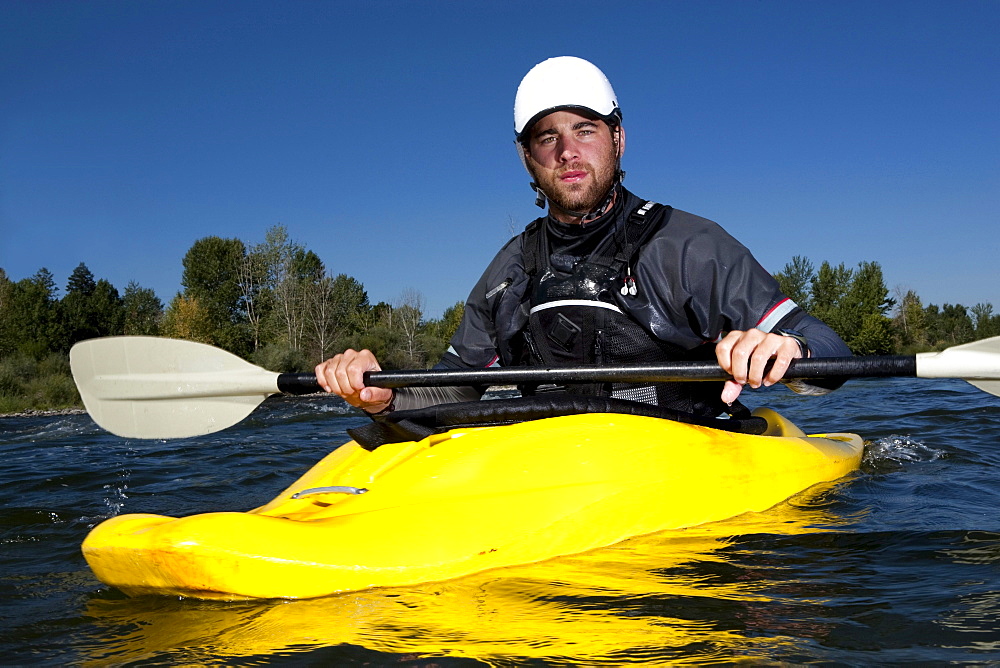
x=898 y=563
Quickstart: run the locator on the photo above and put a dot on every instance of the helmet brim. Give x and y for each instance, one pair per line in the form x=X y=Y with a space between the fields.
x=612 y=119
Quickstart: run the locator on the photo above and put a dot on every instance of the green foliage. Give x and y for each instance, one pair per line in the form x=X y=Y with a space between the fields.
x=90 y=308
x=29 y=384
x=280 y=358
x=948 y=326
x=143 y=311
x=31 y=320
x=796 y=279
x=439 y=332
x=211 y=277
x=874 y=336
x=853 y=302
x=910 y=325
x=14 y=370
x=987 y=323
x=856 y=304
x=187 y=318
x=829 y=287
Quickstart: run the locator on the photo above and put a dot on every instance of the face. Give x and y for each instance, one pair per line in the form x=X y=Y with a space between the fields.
x=573 y=158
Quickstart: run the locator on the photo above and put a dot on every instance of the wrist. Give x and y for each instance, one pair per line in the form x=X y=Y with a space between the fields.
x=799 y=338
x=388 y=407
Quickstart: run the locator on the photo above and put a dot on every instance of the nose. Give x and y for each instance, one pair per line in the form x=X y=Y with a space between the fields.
x=569 y=149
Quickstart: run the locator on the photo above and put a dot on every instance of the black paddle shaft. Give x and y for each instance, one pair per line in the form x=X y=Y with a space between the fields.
x=638 y=373
x=820 y=367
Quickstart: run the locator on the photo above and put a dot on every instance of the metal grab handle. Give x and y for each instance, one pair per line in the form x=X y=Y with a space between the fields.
x=337 y=489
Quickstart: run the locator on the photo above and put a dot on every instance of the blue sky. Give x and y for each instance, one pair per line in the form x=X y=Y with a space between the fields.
x=380 y=133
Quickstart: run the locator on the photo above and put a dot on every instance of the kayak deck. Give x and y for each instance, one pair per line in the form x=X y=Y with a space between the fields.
x=466 y=501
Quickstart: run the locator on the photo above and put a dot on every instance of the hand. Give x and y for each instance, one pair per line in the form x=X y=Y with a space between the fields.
x=343 y=375
x=744 y=355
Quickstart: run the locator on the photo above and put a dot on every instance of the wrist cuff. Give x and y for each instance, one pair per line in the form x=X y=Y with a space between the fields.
x=388 y=409
x=799 y=338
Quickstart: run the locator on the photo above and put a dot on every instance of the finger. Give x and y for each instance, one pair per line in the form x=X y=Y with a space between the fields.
x=375 y=395
x=361 y=363
x=320 y=372
x=326 y=374
x=742 y=354
x=731 y=391
x=787 y=351
x=724 y=351
x=344 y=377
x=762 y=354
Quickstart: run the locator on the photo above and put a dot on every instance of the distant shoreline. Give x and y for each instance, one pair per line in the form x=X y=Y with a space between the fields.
x=44 y=413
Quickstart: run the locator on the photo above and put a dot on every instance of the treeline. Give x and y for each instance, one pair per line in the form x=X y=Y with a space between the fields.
x=276 y=304
x=273 y=303
x=857 y=305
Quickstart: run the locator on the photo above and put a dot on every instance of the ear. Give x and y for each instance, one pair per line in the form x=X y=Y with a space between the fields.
x=619 y=139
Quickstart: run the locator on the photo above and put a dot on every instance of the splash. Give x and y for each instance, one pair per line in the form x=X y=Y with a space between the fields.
x=895 y=450
x=115 y=494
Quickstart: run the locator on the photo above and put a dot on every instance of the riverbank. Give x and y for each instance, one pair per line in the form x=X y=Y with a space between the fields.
x=34 y=412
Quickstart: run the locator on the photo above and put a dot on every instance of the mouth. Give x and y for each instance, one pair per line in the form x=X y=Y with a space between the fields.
x=573 y=176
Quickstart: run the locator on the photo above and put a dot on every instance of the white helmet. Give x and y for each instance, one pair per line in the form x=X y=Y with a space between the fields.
x=562 y=83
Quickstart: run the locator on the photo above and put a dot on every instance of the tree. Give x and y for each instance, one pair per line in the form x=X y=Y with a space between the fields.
x=287 y=267
x=107 y=309
x=828 y=289
x=31 y=318
x=954 y=326
x=334 y=311
x=211 y=278
x=258 y=294
x=143 y=311
x=8 y=326
x=438 y=333
x=796 y=281
x=76 y=312
x=910 y=323
x=408 y=316
x=986 y=323
x=874 y=336
x=186 y=318
x=862 y=312
x=90 y=308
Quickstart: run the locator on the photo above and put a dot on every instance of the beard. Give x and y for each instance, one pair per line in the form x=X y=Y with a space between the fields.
x=575 y=198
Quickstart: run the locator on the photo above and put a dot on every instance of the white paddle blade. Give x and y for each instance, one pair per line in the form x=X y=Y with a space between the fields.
x=977 y=362
x=991 y=386
x=148 y=387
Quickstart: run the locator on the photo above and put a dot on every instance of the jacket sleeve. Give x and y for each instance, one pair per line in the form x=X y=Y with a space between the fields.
x=708 y=283
x=493 y=312
x=479 y=341
x=822 y=342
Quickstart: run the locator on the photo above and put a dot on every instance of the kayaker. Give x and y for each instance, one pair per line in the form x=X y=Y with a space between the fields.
x=608 y=277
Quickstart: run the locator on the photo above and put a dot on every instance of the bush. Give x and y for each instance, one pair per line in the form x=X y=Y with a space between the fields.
x=15 y=371
x=280 y=358
x=54 y=364
x=29 y=385
x=53 y=391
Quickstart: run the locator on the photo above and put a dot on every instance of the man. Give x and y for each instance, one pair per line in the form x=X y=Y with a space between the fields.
x=607 y=277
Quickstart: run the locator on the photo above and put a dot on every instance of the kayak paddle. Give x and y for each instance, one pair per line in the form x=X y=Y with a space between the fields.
x=150 y=387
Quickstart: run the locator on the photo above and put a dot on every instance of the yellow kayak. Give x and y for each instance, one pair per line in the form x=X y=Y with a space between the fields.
x=508 y=616
x=468 y=500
